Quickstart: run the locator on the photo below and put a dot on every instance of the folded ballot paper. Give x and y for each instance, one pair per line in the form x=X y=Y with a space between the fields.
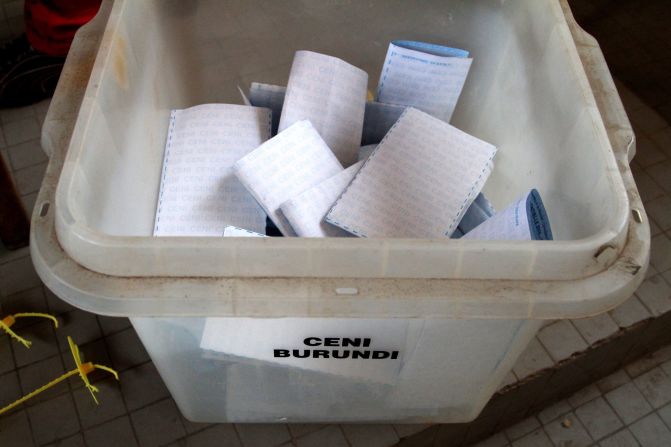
x=199 y=195
x=291 y=162
x=307 y=210
x=331 y=94
x=425 y=76
x=524 y=220
x=418 y=182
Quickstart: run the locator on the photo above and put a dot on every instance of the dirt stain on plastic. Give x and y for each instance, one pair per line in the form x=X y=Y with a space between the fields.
x=120 y=64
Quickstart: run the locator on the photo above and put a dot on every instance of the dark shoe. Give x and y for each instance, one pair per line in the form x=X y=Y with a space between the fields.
x=26 y=75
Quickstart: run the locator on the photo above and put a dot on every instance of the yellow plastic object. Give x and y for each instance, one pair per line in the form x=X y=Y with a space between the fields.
x=7 y=322
x=83 y=369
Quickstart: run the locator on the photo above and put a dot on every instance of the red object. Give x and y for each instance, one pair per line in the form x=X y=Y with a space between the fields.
x=51 y=24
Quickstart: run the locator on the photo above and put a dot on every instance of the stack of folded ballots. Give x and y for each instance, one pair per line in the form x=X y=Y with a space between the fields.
x=321 y=161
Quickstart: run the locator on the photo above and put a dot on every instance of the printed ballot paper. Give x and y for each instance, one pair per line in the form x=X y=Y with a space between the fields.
x=524 y=220
x=331 y=94
x=284 y=166
x=199 y=195
x=231 y=231
x=306 y=211
x=425 y=76
x=418 y=182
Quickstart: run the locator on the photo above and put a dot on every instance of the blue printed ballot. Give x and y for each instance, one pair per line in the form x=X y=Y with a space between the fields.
x=524 y=220
x=425 y=76
x=199 y=195
x=479 y=211
x=418 y=182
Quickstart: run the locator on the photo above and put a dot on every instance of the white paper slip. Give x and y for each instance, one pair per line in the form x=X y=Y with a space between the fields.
x=372 y=349
x=331 y=94
x=377 y=121
x=306 y=211
x=524 y=220
x=284 y=166
x=231 y=231
x=199 y=195
x=428 y=77
x=269 y=96
x=418 y=182
x=365 y=151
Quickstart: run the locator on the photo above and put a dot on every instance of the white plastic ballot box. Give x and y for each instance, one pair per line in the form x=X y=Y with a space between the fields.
x=336 y=329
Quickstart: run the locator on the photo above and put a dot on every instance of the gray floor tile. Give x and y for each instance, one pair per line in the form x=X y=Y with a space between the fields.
x=142 y=385
x=117 y=432
x=655 y=386
x=660 y=252
x=598 y=418
x=373 y=435
x=498 y=440
x=15 y=430
x=596 y=328
x=126 y=350
x=26 y=154
x=533 y=359
x=73 y=441
x=54 y=419
x=665 y=414
x=405 y=430
x=6 y=356
x=522 y=428
x=260 y=435
x=112 y=325
x=29 y=179
x=43 y=344
x=10 y=388
x=622 y=438
x=554 y=411
x=110 y=404
x=584 y=395
x=216 y=436
x=21 y=130
x=81 y=326
x=537 y=438
x=561 y=339
x=157 y=424
x=612 y=381
x=18 y=275
x=39 y=374
x=303 y=429
x=56 y=305
x=630 y=312
x=655 y=294
x=568 y=431
x=330 y=436
x=628 y=403
x=651 y=431
x=29 y=300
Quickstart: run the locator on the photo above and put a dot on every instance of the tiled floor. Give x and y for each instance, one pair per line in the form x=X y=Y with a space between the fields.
x=631 y=407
